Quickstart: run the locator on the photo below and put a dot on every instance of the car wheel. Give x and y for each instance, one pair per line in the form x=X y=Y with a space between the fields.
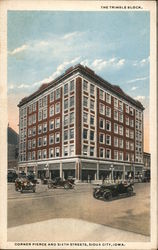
x=34 y=190
x=96 y=194
x=107 y=195
x=66 y=186
x=49 y=186
x=130 y=191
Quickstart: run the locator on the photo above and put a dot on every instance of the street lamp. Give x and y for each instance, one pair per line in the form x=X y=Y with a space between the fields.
x=47 y=170
x=111 y=169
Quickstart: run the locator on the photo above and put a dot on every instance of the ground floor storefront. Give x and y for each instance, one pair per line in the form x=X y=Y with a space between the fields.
x=83 y=169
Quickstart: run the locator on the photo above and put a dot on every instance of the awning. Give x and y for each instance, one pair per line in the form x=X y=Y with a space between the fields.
x=88 y=166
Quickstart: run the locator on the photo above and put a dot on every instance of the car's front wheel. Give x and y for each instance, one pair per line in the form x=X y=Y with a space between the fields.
x=130 y=191
x=107 y=195
x=66 y=186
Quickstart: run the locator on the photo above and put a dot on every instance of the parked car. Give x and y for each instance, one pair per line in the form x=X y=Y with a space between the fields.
x=23 y=184
x=12 y=175
x=110 y=191
x=59 y=182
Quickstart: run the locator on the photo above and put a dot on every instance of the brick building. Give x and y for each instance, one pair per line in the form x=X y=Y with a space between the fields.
x=80 y=125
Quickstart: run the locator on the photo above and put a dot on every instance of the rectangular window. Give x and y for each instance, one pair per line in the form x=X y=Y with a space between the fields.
x=51 y=96
x=29 y=132
x=71 y=117
x=44 y=154
x=120 y=106
x=30 y=108
x=72 y=150
x=115 y=102
x=44 y=101
x=92 y=135
x=116 y=115
x=57 y=152
x=127 y=132
x=44 y=140
x=101 y=94
x=33 y=155
x=115 y=142
x=131 y=111
x=120 y=156
x=91 y=104
x=101 y=108
x=71 y=101
x=132 y=146
x=120 y=130
x=120 y=143
x=131 y=134
x=85 y=85
x=57 y=108
x=39 y=141
x=108 y=112
x=30 y=120
x=101 y=138
x=66 y=89
x=127 y=108
x=57 y=137
x=65 y=120
x=39 y=154
x=108 y=153
x=115 y=128
x=108 y=126
x=65 y=150
x=115 y=155
x=108 y=140
x=91 y=89
x=39 y=129
x=120 y=117
x=34 y=118
x=65 y=135
x=127 y=144
x=29 y=144
x=51 y=110
x=65 y=104
x=108 y=98
x=127 y=157
x=91 y=120
x=131 y=123
x=57 y=92
x=51 y=125
x=101 y=123
x=29 y=156
x=85 y=133
x=101 y=152
x=85 y=150
x=85 y=101
x=40 y=115
x=71 y=85
x=44 y=114
x=51 y=139
x=34 y=106
x=40 y=103
x=51 y=153
x=85 y=117
x=71 y=133
x=44 y=127
x=91 y=151
x=33 y=131
x=57 y=123
x=127 y=121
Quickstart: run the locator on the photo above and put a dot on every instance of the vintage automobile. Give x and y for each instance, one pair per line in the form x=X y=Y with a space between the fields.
x=24 y=184
x=59 y=182
x=12 y=175
x=112 y=191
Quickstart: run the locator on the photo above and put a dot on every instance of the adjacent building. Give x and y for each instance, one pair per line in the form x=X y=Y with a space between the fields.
x=146 y=159
x=82 y=126
x=13 y=149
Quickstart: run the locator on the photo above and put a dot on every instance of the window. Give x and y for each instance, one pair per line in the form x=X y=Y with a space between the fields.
x=115 y=142
x=44 y=141
x=51 y=125
x=24 y=111
x=57 y=152
x=71 y=133
x=44 y=113
x=66 y=89
x=57 y=93
x=120 y=143
x=44 y=153
x=127 y=108
x=131 y=134
x=91 y=104
x=91 y=89
x=92 y=135
x=85 y=85
x=71 y=150
x=51 y=153
x=51 y=139
x=65 y=120
x=44 y=127
x=115 y=102
x=29 y=132
x=44 y=101
x=57 y=137
x=85 y=150
x=51 y=110
x=85 y=101
x=127 y=144
x=71 y=85
x=71 y=101
x=101 y=108
x=39 y=141
x=101 y=138
x=30 y=108
x=120 y=156
x=127 y=157
x=115 y=115
x=91 y=151
x=25 y=122
x=65 y=104
x=101 y=94
x=131 y=123
x=57 y=108
x=39 y=129
x=132 y=146
x=52 y=96
x=85 y=117
x=40 y=103
x=29 y=144
x=71 y=117
x=57 y=123
x=40 y=115
x=101 y=123
x=91 y=120
x=85 y=133
x=34 y=106
x=108 y=126
x=108 y=98
x=108 y=153
x=108 y=111
x=101 y=152
x=108 y=140
x=120 y=106
x=33 y=131
x=120 y=117
x=131 y=111
x=127 y=132
x=127 y=120
x=115 y=155
x=65 y=150
x=34 y=118
x=30 y=120
x=115 y=128
x=39 y=154
x=65 y=135
x=120 y=130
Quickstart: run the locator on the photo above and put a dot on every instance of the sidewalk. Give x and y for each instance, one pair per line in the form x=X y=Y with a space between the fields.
x=71 y=230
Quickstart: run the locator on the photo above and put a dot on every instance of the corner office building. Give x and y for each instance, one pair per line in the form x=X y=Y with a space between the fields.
x=82 y=126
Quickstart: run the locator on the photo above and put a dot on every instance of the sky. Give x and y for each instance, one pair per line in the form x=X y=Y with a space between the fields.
x=42 y=44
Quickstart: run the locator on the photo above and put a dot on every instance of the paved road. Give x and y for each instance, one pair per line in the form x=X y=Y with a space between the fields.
x=130 y=214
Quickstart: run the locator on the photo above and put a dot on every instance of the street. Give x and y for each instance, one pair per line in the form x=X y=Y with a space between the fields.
x=129 y=214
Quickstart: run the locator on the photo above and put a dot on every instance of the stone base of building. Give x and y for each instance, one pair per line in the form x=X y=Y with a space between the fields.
x=83 y=169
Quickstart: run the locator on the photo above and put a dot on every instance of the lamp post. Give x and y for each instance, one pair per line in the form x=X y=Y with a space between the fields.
x=47 y=170
x=111 y=169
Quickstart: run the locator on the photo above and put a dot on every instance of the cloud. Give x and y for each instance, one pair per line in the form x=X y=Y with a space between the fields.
x=142 y=62
x=140 y=98
x=138 y=79
x=21 y=86
x=18 y=50
x=134 y=88
x=71 y=35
